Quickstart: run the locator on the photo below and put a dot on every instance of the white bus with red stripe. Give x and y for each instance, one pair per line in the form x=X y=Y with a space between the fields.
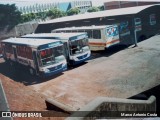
x=40 y=57
x=100 y=37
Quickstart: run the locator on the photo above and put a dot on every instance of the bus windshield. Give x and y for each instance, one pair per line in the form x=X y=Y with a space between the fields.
x=51 y=55
x=76 y=46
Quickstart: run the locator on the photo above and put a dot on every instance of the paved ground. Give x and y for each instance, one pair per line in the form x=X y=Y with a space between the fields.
x=121 y=74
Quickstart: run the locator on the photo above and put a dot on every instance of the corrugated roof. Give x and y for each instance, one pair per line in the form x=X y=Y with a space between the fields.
x=106 y=13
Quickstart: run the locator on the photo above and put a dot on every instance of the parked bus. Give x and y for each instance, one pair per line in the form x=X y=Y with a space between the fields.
x=100 y=37
x=76 y=45
x=41 y=57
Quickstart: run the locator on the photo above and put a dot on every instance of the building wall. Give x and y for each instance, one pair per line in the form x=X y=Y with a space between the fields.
x=124 y=4
x=82 y=5
x=35 y=8
x=18 y=30
x=64 y=6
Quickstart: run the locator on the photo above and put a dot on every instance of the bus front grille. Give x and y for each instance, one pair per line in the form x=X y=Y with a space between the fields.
x=82 y=57
x=55 y=68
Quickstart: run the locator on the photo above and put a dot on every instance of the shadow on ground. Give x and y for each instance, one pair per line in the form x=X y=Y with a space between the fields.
x=22 y=75
x=108 y=52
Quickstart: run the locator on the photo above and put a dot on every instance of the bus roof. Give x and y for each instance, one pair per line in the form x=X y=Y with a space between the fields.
x=55 y=35
x=83 y=27
x=29 y=42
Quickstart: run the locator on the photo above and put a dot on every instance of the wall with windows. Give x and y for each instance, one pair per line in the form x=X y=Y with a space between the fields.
x=124 y=4
x=8 y=48
x=82 y=5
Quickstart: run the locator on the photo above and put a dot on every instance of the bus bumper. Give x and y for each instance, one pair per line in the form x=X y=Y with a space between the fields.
x=54 y=72
x=81 y=59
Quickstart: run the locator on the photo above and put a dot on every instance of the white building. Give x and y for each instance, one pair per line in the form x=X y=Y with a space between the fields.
x=82 y=5
x=41 y=7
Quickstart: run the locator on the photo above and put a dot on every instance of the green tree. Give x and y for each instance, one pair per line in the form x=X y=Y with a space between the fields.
x=41 y=15
x=9 y=15
x=28 y=17
x=93 y=9
x=73 y=11
x=55 y=13
x=101 y=8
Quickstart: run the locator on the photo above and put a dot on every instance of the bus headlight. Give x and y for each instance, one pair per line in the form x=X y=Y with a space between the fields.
x=64 y=64
x=46 y=70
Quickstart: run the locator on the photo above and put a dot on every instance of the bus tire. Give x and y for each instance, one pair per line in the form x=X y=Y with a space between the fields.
x=31 y=71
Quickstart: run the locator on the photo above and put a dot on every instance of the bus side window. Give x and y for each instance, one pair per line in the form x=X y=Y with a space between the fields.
x=96 y=34
x=29 y=53
x=8 y=48
x=89 y=33
x=81 y=31
x=74 y=30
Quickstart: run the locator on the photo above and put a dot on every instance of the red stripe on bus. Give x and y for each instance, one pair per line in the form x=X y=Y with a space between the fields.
x=113 y=41
x=95 y=43
x=103 y=44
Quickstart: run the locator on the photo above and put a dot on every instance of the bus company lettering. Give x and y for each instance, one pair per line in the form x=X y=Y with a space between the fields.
x=27 y=114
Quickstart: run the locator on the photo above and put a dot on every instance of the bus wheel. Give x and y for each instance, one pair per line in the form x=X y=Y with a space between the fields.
x=31 y=71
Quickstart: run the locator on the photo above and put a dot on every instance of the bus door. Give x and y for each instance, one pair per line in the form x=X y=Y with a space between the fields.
x=15 y=53
x=35 y=60
x=66 y=50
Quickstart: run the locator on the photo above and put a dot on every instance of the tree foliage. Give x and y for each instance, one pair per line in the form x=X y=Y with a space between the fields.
x=73 y=11
x=93 y=9
x=9 y=15
x=28 y=17
x=101 y=8
x=55 y=13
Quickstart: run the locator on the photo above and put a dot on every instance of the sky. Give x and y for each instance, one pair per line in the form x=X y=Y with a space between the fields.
x=31 y=2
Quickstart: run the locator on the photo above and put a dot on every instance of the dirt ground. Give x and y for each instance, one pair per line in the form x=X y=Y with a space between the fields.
x=21 y=98
x=119 y=72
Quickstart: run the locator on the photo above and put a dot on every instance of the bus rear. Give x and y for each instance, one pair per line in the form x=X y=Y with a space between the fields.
x=112 y=36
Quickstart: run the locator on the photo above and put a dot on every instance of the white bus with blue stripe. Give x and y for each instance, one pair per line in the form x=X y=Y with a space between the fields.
x=76 y=45
x=41 y=57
